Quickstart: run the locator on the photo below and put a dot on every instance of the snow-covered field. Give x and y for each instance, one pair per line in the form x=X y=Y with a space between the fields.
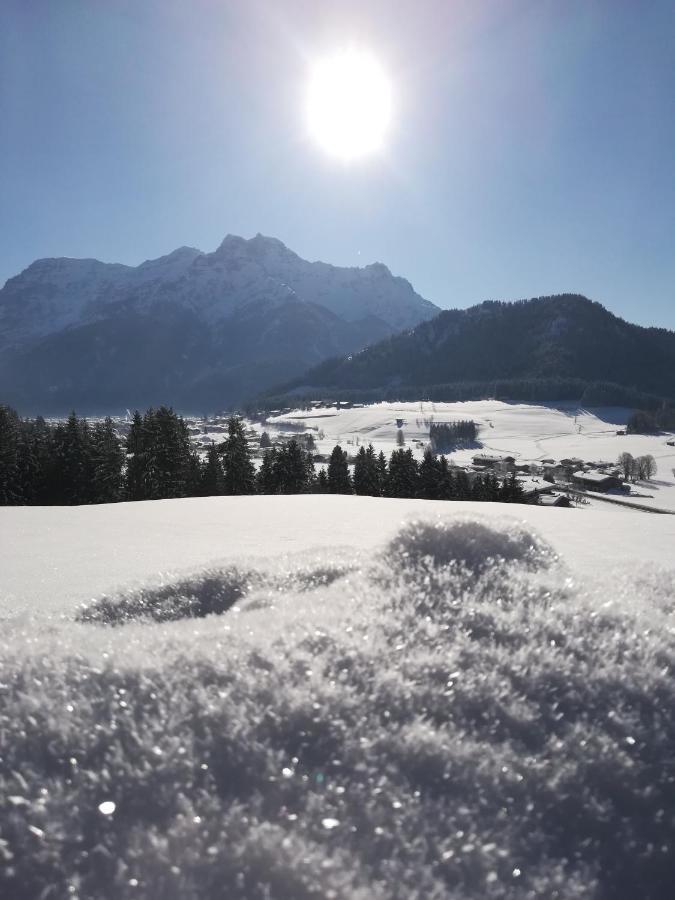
x=297 y=698
x=530 y=433
x=56 y=556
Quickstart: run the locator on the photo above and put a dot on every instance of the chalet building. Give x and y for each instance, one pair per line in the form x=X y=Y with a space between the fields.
x=535 y=488
x=596 y=481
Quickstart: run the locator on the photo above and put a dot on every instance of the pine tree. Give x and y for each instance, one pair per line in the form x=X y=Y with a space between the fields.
x=266 y=479
x=34 y=460
x=511 y=490
x=72 y=475
x=168 y=454
x=339 y=481
x=402 y=474
x=10 y=486
x=213 y=478
x=194 y=476
x=293 y=469
x=322 y=482
x=477 y=488
x=446 y=482
x=382 y=474
x=238 y=469
x=366 y=473
x=107 y=462
x=462 y=486
x=491 y=488
x=429 y=482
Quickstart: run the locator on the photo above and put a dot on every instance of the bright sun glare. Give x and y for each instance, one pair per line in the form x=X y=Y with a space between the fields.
x=349 y=104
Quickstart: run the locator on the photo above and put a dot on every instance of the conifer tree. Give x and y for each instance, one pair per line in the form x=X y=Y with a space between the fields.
x=429 y=481
x=238 y=469
x=10 y=488
x=366 y=473
x=266 y=479
x=511 y=490
x=402 y=474
x=294 y=469
x=339 y=481
x=72 y=471
x=213 y=478
x=168 y=464
x=382 y=474
x=107 y=462
x=194 y=476
x=477 y=488
x=446 y=483
x=322 y=482
x=34 y=460
x=462 y=486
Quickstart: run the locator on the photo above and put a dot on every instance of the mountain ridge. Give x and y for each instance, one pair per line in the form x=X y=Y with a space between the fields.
x=60 y=323
x=564 y=336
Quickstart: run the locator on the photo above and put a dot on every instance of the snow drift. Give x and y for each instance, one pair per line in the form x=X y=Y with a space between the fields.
x=454 y=715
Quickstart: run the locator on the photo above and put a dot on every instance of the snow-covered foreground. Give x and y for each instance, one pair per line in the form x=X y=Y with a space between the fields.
x=528 y=432
x=57 y=557
x=478 y=704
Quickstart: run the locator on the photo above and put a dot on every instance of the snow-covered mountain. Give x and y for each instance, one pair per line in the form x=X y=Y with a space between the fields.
x=191 y=328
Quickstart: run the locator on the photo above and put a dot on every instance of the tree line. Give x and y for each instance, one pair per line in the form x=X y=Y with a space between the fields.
x=75 y=462
x=445 y=436
x=651 y=422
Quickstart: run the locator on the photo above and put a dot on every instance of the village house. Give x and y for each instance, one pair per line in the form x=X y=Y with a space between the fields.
x=596 y=481
x=493 y=461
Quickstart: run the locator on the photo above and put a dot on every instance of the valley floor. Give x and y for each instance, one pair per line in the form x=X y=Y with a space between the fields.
x=531 y=433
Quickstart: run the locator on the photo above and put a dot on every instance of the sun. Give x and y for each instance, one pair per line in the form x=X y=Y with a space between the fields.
x=349 y=104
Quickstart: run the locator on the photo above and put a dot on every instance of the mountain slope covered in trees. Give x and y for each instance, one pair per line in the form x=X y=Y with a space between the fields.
x=565 y=338
x=199 y=330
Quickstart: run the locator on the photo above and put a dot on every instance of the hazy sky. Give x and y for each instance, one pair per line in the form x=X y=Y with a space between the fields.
x=533 y=149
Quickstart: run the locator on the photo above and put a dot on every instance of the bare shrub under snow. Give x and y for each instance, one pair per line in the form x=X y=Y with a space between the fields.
x=456 y=718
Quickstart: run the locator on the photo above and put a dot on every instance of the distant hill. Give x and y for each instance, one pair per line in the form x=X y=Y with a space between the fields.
x=198 y=330
x=561 y=343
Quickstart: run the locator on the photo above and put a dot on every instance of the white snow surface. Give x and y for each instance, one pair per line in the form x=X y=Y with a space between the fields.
x=55 y=558
x=442 y=709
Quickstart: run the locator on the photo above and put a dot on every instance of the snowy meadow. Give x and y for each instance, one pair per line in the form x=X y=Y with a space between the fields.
x=455 y=712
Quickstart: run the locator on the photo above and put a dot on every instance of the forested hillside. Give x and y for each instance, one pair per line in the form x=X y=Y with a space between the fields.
x=550 y=346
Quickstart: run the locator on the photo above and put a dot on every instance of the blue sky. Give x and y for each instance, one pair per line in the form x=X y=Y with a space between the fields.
x=533 y=148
